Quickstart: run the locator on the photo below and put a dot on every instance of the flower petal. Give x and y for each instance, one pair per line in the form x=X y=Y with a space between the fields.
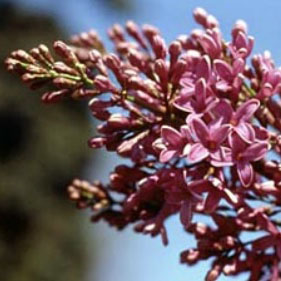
x=238 y=66
x=245 y=173
x=222 y=157
x=186 y=132
x=236 y=143
x=171 y=136
x=220 y=134
x=209 y=45
x=245 y=131
x=197 y=153
x=255 y=152
x=247 y=110
x=203 y=69
x=223 y=109
x=201 y=130
x=200 y=93
x=166 y=155
x=224 y=70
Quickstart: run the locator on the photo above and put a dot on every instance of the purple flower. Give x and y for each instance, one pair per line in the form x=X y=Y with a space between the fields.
x=242 y=156
x=240 y=119
x=200 y=69
x=241 y=45
x=172 y=144
x=231 y=77
x=208 y=139
x=211 y=42
x=196 y=95
x=198 y=103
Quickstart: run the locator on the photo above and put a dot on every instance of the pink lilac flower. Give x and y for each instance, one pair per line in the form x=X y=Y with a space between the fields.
x=231 y=77
x=243 y=154
x=241 y=45
x=208 y=139
x=271 y=77
x=239 y=120
x=172 y=144
x=196 y=95
x=211 y=42
x=198 y=102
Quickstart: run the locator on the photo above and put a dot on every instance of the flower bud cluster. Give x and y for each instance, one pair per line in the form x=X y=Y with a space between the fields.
x=201 y=124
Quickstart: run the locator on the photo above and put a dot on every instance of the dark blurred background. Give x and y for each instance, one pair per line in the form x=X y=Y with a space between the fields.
x=42 y=236
x=41 y=149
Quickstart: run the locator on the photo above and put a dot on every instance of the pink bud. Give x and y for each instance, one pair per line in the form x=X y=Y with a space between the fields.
x=136 y=59
x=240 y=26
x=65 y=52
x=113 y=62
x=178 y=70
x=134 y=31
x=63 y=83
x=104 y=84
x=214 y=273
x=53 y=97
x=150 y=31
x=97 y=142
x=200 y=16
x=95 y=56
x=161 y=70
x=159 y=47
x=175 y=49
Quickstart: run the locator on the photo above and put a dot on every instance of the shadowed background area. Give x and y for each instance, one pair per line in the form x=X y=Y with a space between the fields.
x=41 y=149
x=42 y=236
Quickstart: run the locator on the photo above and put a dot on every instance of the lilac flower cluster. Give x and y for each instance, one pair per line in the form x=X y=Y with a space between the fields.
x=201 y=126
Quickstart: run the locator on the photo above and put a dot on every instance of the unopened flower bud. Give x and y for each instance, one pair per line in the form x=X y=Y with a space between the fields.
x=175 y=49
x=191 y=256
x=230 y=269
x=55 y=96
x=161 y=70
x=200 y=15
x=125 y=47
x=212 y=22
x=113 y=62
x=31 y=78
x=126 y=146
x=23 y=56
x=61 y=67
x=135 y=58
x=65 y=52
x=134 y=31
x=136 y=83
x=35 y=69
x=63 y=83
x=104 y=84
x=214 y=273
x=178 y=70
x=239 y=26
x=150 y=31
x=116 y=33
x=159 y=47
x=97 y=142
x=45 y=52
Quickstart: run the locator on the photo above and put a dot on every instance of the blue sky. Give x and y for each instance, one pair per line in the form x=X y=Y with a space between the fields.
x=132 y=257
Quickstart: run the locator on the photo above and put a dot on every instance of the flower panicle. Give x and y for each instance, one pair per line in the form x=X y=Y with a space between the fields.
x=199 y=122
